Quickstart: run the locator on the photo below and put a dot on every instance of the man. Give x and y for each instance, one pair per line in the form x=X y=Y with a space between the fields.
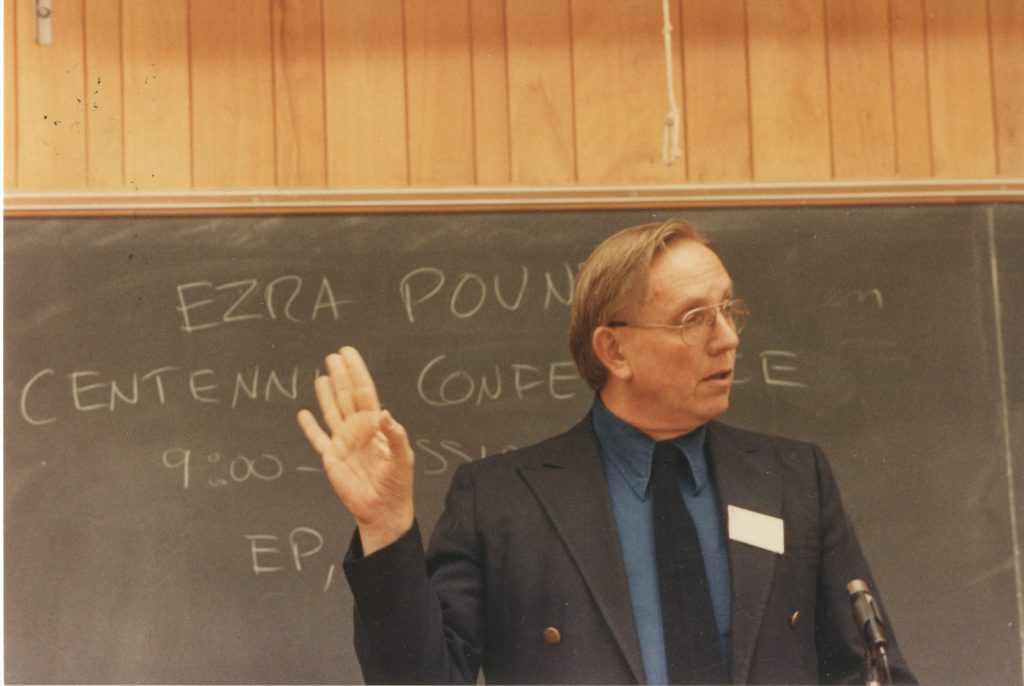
x=576 y=560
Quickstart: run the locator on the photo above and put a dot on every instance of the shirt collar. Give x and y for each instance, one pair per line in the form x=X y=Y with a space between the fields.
x=631 y=451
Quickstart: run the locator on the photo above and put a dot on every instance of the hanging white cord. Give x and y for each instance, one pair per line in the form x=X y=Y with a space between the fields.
x=670 y=149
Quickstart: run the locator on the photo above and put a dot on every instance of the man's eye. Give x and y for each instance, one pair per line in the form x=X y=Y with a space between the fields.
x=694 y=319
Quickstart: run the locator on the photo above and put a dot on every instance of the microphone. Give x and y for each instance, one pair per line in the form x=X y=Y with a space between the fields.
x=867 y=614
x=869 y=620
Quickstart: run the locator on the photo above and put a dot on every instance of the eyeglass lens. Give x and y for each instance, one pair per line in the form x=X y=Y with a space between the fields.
x=697 y=324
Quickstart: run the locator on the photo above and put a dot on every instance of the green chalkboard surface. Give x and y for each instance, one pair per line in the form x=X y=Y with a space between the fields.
x=164 y=521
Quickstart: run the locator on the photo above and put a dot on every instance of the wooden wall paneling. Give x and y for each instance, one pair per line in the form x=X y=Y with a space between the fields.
x=348 y=93
x=157 y=97
x=860 y=89
x=1006 y=19
x=490 y=92
x=911 y=116
x=10 y=96
x=540 y=83
x=364 y=49
x=714 y=46
x=960 y=87
x=439 y=77
x=789 y=90
x=232 y=94
x=621 y=92
x=299 y=117
x=51 y=113
x=103 y=98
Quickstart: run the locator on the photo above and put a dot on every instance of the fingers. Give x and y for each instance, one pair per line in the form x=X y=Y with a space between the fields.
x=351 y=411
x=354 y=390
x=356 y=432
x=325 y=396
x=340 y=385
x=364 y=392
x=316 y=436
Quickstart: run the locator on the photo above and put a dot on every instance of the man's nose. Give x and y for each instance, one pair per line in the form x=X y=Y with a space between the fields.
x=723 y=334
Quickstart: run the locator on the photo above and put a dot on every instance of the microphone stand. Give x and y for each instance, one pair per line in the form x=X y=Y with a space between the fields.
x=875 y=656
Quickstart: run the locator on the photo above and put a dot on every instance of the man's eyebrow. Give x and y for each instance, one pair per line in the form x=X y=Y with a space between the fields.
x=694 y=303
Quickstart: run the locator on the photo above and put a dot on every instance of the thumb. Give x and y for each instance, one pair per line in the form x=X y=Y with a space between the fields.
x=398 y=439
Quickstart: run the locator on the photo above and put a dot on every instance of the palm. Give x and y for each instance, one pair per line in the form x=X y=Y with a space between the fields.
x=365 y=452
x=365 y=473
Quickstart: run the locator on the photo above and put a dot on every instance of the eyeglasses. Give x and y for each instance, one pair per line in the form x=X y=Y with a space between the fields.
x=697 y=324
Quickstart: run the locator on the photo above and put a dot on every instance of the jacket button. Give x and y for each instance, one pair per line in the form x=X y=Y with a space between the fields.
x=552 y=636
x=793 y=619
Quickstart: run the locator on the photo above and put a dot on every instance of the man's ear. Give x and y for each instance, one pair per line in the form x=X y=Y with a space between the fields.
x=607 y=348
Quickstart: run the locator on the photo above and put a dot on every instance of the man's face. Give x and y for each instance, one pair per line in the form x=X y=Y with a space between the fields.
x=676 y=386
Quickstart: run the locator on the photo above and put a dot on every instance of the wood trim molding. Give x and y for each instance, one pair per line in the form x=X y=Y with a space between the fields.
x=511 y=198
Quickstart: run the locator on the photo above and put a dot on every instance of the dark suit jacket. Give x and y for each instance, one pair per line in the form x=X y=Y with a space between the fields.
x=528 y=541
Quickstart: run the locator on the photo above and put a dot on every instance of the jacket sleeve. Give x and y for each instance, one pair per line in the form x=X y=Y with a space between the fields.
x=420 y=622
x=840 y=646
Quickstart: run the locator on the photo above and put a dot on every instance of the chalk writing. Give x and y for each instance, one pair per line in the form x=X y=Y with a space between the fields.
x=440 y=385
x=773 y=370
x=178 y=458
x=89 y=390
x=24 y=400
x=872 y=293
x=234 y=302
x=769 y=369
x=239 y=469
x=437 y=456
x=861 y=296
x=471 y=291
x=303 y=542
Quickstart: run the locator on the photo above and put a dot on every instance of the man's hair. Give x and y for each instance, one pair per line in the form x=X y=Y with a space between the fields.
x=614 y=279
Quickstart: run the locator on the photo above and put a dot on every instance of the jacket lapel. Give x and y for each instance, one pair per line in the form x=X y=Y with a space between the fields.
x=746 y=475
x=568 y=480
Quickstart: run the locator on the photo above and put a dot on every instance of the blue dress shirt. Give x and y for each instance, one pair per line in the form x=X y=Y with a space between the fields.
x=628 y=455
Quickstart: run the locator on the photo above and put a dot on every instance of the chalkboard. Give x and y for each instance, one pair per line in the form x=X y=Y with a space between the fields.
x=165 y=521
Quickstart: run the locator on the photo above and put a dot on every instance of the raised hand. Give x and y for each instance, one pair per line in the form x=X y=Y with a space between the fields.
x=365 y=452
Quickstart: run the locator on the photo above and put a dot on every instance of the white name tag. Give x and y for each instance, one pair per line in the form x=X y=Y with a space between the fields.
x=756 y=529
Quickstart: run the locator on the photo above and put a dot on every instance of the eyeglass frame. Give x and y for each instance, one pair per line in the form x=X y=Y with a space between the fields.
x=716 y=309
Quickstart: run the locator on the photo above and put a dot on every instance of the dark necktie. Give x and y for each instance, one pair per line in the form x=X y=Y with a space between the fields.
x=692 y=650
